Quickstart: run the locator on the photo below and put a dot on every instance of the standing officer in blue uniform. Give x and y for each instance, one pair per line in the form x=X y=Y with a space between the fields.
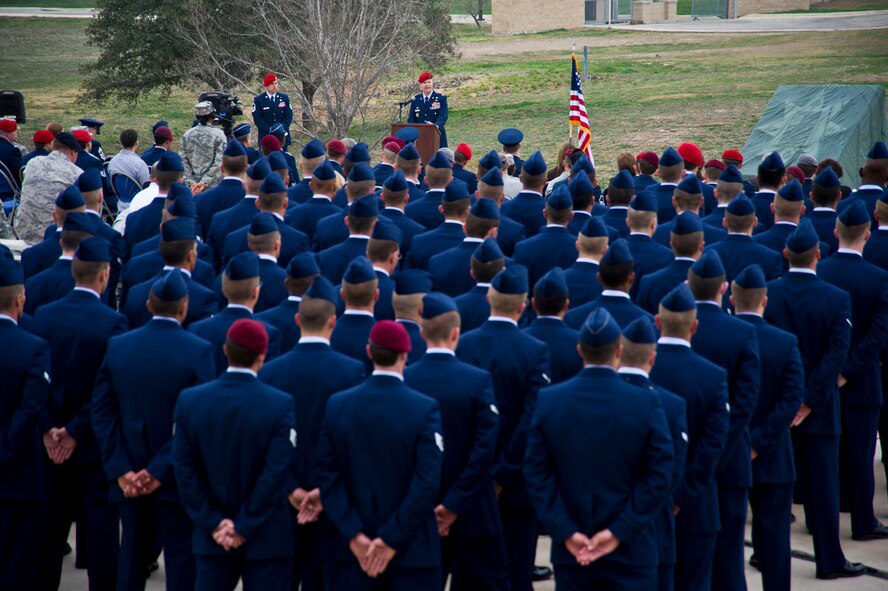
x=380 y=457
x=511 y=139
x=311 y=373
x=272 y=107
x=876 y=252
x=637 y=357
x=671 y=172
x=451 y=269
x=486 y=262
x=519 y=365
x=582 y=191
x=301 y=272
x=359 y=290
x=233 y=447
x=780 y=395
x=873 y=177
x=648 y=255
x=527 y=207
x=454 y=207
x=826 y=191
x=771 y=174
x=24 y=390
x=582 y=276
x=787 y=208
x=688 y=196
x=360 y=220
x=550 y=302
x=472 y=545
x=425 y=210
x=78 y=328
x=620 y=192
x=322 y=183
x=241 y=133
x=819 y=315
x=860 y=381
x=686 y=241
x=553 y=246
x=429 y=106
x=603 y=534
x=733 y=346
x=410 y=287
x=132 y=416
x=94 y=127
x=695 y=501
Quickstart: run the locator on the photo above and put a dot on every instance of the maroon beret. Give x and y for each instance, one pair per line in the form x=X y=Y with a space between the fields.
x=732 y=155
x=270 y=143
x=714 y=164
x=796 y=172
x=424 y=76
x=250 y=334
x=164 y=132
x=337 y=147
x=392 y=335
x=691 y=153
x=650 y=158
x=398 y=141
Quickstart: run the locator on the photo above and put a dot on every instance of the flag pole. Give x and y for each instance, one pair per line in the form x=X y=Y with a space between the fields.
x=569 y=126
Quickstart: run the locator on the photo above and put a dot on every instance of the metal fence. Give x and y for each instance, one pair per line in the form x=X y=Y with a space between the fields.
x=717 y=8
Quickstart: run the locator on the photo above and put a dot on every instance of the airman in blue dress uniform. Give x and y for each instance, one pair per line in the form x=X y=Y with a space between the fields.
x=429 y=106
x=272 y=107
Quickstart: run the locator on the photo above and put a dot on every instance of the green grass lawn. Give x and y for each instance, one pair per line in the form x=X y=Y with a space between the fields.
x=646 y=90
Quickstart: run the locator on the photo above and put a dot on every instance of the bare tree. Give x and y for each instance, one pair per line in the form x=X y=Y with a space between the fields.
x=473 y=8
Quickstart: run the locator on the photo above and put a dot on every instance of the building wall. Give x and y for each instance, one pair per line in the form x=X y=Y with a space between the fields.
x=648 y=11
x=531 y=16
x=765 y=6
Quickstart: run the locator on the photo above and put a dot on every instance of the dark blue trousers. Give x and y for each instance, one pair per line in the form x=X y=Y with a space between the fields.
x=665 y=577
x=857 y=448
x=21 y=524
x=350 y=577
x=520 y=533
x=604 y=575
x=728 y=564
x=771 y=514
x=221 y=573
x=140 y=518
x=693 y=564
x=475 y=563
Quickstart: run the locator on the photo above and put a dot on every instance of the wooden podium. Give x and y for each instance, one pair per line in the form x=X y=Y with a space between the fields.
x=428 y=142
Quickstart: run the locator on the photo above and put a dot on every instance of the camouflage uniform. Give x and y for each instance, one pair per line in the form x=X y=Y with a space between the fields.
x=201 y=152
x=45 y=178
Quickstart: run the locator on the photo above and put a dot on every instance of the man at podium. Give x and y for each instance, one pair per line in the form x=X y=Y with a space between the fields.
x=429 y=106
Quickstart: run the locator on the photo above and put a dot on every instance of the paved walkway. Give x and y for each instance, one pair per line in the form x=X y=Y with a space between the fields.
x=47 y=12
x=767 y=23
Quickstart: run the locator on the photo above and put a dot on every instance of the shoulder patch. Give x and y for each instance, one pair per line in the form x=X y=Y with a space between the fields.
x=439 y=441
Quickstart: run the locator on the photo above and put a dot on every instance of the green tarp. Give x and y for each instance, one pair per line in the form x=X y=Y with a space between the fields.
x=834 y=121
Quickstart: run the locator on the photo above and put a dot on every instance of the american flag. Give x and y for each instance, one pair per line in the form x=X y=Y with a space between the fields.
x=578 y=115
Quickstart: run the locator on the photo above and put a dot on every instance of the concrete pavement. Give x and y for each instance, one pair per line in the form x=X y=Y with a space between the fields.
x=47 y=12
x=766 y=23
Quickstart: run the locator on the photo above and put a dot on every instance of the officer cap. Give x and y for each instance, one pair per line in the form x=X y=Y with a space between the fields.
x=243 y=266
x=803 y=238
x=94 y=123
x=78 y=221
x=741 y=205
x=709 y=266
x=488 y=251
x=456 y=192
x=879 y=151
x=68 y=140
x=183 y=207
x=649 y=157
x=493 y=178
x=670 y=157
x=278 y=130
x=535 y=164
x=177 y=191
x=551 y=285
x=269 y=79
x=361 y=171
x=510 y=136
x=359 y=270
x=855 y=214
x=169 y=162
x=409 y=153
x=691 y=154
x=338 y=147
x=396 y=182
x=434 y=304
x=644 y=201
x=715 y=164
x=690 y=185
x=358 y=153
x=390 y=335
x=161 y=123
x=321 y=289
x=386 y=231
x=263 y=223
x=424 y=76
x=827 y=178
x=234 y=148
x=623 y=180
x=731 y=174
x=617 y=253
x=313 y=149
x=599 y=329
x=273 y=183
x=170 y=287
x=413 y=281
x=806 y=160
x=204 y=108
x=491 y=161
x=93 y=250
x=181 y=228
x=324 y=171
x=241 y=130
x=583 y=164
x=10 y=272
x=364 y=207
x=276 y=161
x=249 y=334
x=407 y=134
x=439 y=160
x=640 y=331
x=687 y=222
x=751 y=277
x=772 y=161
x=791 y=191
x=680 y=299
x=302 y=265
x=259 y=170
x=89 y=180
x=70 y=198
x=511 y=280
x=560 y=199
x=594 y=228
x=580 y=185
x=486 y=209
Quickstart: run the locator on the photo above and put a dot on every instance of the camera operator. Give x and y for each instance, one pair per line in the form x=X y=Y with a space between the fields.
x=201 y=150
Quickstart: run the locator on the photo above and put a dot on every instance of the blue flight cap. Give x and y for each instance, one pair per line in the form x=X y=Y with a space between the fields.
x=358 y=153
x=169 y=162
x=304 y=264
x=413 y=281
x=78 y=221
x=493 y=178
x=687 y=222
x=741 y=205
x=594 y=228
x=175 y=229
x=361 y=171
x=259 y=170
x=486 y=209
x=644 y=201
x=751 y=277
x=90 y=122
x=278 y=130
x=690 y=185
x=878 y=152
x=359 y=270
x=70 y=198
x=364 y=207
x=511 y=280
x=273 y=183
x=10 y=273
x=161 y=123
x=263 y=223
x=640 y=331
x=178 y=190
x=680 y=299
x=89 y=180
x=535 y=164
x=510 y=136
x=583 y=164
x=551 y=285
x=791 y=191
x=491 y=161
x=772 y=161
x=623 y=180
x=324 y=171
x=183 y=207
x=580 y=185
x=408 y=152
x=731 y=174
x=434 y=304
x=803 y=238
x=313 y=149
x=708 y=266
x=408 y=134
x=439 y=160
x=488 y=251
x=171 y=287
x=560 y=199
x=241 y=130
x=617 y=253
x=599 y=329
x=243 y=266
x=670 y=157
x=456 y=192
x=827 y=178
x=855 y=214
x=93 y=250
x=384 y=231
x=234 y=148
x=396 y=182
x=321 y=289
x=277 y=161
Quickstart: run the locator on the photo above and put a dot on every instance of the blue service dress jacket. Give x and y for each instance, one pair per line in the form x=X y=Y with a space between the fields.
x=552 y=247
x=215 y=329
x=293 y=242
x=562 y=341
x=202 y=302
x=424 y=210
x=582 y=282
x=527 y=209
x=428 y=244
x=431 y=109
x=228 y=193
x=270 y=109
